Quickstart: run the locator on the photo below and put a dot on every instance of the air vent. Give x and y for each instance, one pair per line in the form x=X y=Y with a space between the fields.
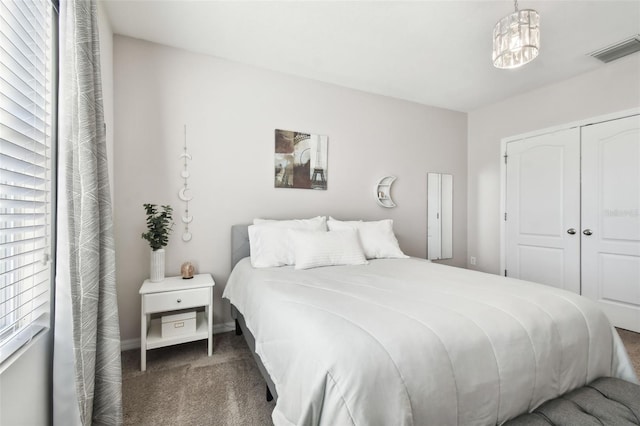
x=618 y=50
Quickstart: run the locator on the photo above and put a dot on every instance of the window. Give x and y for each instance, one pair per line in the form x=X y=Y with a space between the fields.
x=27 y=136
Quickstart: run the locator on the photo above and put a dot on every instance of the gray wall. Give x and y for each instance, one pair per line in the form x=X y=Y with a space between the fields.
x=612 y=87
x=232 y=111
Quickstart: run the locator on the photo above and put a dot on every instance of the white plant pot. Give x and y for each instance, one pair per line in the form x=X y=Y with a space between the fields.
x=157 y=265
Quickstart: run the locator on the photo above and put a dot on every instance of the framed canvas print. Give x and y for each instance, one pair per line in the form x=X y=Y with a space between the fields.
x=300 y=160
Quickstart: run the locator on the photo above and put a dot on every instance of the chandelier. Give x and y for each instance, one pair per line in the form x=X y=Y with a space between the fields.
x=516 y=38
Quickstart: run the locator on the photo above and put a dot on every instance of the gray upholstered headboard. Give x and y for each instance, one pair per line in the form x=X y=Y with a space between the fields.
x=239 y=243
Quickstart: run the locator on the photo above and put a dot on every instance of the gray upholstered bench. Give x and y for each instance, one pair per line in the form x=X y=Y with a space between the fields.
x=605 y=401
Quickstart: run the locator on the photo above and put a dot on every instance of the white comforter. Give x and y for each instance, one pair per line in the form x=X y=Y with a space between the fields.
x=410 y=342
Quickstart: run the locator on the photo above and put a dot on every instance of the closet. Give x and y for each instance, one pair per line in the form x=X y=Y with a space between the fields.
x=572 y=213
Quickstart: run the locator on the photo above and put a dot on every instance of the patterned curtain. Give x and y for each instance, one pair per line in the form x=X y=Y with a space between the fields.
x=87 y=368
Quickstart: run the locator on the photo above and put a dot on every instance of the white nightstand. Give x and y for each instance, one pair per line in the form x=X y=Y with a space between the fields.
x=173 y=294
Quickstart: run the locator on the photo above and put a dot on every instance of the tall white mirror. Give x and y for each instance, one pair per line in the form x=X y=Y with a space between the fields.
x=439 y=216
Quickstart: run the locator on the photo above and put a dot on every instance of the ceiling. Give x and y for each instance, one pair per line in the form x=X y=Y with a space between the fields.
x=433 y=52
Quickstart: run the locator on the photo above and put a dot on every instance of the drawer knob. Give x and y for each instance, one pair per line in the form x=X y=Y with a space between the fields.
x=179 y=300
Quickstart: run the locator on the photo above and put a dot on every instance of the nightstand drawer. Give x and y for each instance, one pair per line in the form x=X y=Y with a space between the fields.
x=172 y=300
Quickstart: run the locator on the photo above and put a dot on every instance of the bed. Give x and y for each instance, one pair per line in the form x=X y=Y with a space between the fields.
x=411 y=342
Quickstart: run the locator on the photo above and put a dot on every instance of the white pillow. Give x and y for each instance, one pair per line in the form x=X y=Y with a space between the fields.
x=318 y=223
x=270 y=242
x=314 y=248
x=269 y=246
x=377 y=237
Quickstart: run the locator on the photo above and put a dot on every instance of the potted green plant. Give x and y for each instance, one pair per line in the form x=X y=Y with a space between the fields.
x=159 y=225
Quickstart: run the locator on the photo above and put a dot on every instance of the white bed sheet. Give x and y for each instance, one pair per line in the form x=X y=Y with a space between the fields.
x=411 y=342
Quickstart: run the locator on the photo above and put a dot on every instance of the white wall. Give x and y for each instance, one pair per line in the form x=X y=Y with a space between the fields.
x=25 y=394
x=612 y=87
x=232 y=111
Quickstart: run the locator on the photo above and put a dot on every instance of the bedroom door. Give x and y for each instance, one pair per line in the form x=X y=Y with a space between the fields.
x=611 y=219
x=543 y=209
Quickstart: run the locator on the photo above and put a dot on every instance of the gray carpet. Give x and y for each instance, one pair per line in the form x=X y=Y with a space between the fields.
x=182 y=386
x=632 y=344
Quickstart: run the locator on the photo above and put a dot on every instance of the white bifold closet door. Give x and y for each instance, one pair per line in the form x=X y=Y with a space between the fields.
x=611 y=219
x=573 y=214
x=543 y=209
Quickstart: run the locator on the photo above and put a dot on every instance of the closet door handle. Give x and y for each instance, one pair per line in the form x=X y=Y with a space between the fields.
x=587 y=232
x=571 y=231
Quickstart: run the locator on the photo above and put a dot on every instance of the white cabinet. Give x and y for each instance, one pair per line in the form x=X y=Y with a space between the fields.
x=174 y=294
x=572 y=213
x=439 y=216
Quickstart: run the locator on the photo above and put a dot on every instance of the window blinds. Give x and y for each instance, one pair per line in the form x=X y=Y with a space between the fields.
x=26 y=136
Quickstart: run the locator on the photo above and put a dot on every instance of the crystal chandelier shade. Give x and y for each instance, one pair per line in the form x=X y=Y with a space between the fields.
x=516 y=39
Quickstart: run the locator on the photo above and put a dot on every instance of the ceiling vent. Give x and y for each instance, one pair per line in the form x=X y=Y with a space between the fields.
x=618 y=50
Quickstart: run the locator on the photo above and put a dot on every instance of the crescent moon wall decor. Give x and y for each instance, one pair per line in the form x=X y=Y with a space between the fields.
x=383 y=192
x=182 y=193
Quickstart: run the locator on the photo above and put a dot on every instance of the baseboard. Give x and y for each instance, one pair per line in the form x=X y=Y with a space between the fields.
x=224 y=327
x=128 y=344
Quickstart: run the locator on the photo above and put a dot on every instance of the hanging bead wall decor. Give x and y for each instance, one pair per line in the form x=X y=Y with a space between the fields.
x=182 y=194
